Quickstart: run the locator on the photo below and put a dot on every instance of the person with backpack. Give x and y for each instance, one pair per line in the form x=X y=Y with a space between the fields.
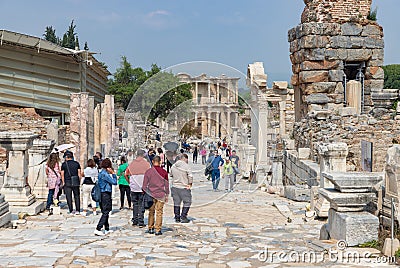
x=216 y=162
x=124 y=184
x=228 y=175
x=71 y=179
x=156 y=185
x=89 y=178
x=106 y=180
x=135 y=174
x=53 y=180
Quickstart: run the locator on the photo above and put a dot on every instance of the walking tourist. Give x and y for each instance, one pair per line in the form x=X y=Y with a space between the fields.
x=235 y=164
x=107 y=179
x=123 y=184
x=203 y=153
x=228 y=175
x=216 y=162
x=70 y=176
x=53 y=179
x=162 y=156
x=195 y=154
x=89 y=178
x=135 y=174
x=130 y=156
x=156 y=184
x=181 y=185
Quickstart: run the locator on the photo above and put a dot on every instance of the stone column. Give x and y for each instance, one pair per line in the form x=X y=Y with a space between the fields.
x=52 y=131
x=282 y=119
x=96 y=128
x=262 y=134
x=37 y=178
x=79 y=125
x=209 y=92
x=217 y=114
x=332 y=157
x=196 y=92
x=228 y=92
x=90 y=126
x=217 y=97
x=195 y=119
x=16 y=189
x=235 y=135
x=209 y=123
x=228 y=120
x=353 y=95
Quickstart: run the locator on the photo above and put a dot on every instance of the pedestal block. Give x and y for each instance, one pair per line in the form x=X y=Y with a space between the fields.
x=16 y=189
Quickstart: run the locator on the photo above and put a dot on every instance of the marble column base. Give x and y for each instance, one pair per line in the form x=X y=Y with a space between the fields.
x=5 y=214
x=33 y=209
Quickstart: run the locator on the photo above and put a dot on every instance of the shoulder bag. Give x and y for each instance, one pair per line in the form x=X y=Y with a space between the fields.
x=75 y=181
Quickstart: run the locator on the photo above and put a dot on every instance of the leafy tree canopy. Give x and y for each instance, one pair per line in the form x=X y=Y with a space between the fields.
x=392 y=76
x=157 y=96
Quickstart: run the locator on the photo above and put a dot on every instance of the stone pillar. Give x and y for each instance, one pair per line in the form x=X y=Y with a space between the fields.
x=234 y=135
x=228 y=120
x=228 y=92
x=282 y=119
x=96 y=128
x=79 y=125
x=353 y=95
x=37 y=178
x=90 y=125
x=217 y=114
x=52 y=131
x=109 y=120
x=196 y=92
x=217 y=97
x=332 y=157
x=209 y=123
x=209 y=92
x=195 y=119
x=16 y=189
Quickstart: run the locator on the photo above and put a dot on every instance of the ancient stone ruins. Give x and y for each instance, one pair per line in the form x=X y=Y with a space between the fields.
x=329 y=137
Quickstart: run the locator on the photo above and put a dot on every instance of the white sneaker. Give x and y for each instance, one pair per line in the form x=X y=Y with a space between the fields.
x=83 y=213
x=108 y=232
x=95 y=213
x=99 y=233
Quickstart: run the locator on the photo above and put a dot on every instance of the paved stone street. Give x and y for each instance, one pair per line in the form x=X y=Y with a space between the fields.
x=226 y=231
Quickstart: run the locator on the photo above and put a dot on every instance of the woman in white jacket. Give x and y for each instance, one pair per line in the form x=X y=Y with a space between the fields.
x=89 y=178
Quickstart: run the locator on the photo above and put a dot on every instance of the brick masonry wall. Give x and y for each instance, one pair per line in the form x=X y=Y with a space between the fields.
x=335 y=10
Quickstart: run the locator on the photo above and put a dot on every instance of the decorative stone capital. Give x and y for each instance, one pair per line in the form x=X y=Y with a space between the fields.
x=333 y=150
x=17 y=140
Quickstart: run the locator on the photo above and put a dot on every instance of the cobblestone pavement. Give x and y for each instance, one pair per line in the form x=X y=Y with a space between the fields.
x=226 y=231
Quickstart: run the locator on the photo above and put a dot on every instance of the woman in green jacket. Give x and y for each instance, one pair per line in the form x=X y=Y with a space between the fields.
x=124 y=184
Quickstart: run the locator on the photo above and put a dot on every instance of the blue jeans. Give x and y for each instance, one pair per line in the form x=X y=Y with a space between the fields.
x=50 y=198
x=215 y=178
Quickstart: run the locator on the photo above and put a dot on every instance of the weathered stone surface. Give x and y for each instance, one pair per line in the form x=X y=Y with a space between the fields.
x=319 y=65
x=324 y=232
x=373 y=42
x=359 y=54
x=351 y=29
x=280 y=85
x=313 y=41
x=353 y=182
x=317 y=98
x=304 y=153
x=370 y=29
x=353 y=227
x=313 y=76
x=336 y=75
x=297 y=193
x=347 y=111
x=311 y=54
x=373 y=85
x=374 y=73
x=350 y=200
x=341 y=42
x=392 y=174
x=320 y=87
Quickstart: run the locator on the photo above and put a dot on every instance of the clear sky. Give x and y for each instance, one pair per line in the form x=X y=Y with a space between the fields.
x=232 y=32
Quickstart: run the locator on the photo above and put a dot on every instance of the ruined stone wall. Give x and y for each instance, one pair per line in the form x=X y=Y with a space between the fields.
x=335 y=10
x=382 y=132
x=319 y=54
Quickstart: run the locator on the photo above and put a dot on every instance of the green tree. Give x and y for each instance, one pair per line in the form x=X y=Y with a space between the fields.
x=69 y=38
x=392 y=76
x=50 y=35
